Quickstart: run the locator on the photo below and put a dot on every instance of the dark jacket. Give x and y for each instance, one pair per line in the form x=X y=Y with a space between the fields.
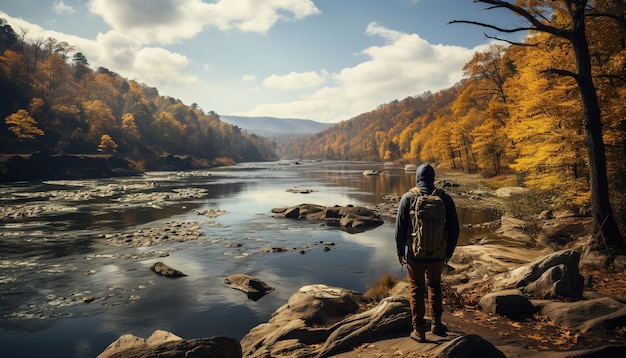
x=425 y=181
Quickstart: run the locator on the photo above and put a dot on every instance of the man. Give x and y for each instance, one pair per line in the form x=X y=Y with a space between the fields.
x=422 y=272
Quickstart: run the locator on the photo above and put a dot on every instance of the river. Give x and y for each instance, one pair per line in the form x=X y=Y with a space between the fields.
x=57 y=250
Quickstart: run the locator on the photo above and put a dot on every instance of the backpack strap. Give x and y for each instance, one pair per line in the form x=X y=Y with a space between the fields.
x=437 y=192
x=415 y=190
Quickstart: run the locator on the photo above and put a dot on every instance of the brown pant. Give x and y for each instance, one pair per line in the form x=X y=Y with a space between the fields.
x=421 y=275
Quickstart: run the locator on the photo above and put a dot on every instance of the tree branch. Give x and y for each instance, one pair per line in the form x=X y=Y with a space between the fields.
x=509 y=41
x=536 y=24
x=497 y=28
x=558 y=72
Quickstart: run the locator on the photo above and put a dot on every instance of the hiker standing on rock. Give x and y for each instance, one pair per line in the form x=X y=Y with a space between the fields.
x=427 y=230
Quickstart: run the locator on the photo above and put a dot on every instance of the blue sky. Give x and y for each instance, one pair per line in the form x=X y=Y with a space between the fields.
x=325 y=60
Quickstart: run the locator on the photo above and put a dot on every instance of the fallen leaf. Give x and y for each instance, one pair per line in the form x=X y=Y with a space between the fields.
x=514 y=324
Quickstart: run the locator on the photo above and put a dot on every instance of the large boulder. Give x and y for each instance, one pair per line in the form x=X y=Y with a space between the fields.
x=302 y=325
x=556 y=281
x=252 y=286
x=552 y=276
x=350 y=218
x=469 y=345
x=562 y=230
x=165 y=344
x=586 y=315
x=509 y=303
x=392 y=314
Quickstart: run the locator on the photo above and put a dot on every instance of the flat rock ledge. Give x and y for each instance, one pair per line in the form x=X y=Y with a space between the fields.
x=324 y=321
x=166 y=344
x=352 y=219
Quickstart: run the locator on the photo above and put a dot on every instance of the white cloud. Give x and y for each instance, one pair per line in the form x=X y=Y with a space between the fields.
x=258 y=16
x=248 y=77
x=61 y=8
x=169 y=21
x=295 y=80
x=121 y=54
x=406 y=65
x=151 y=65
x=390 y=35
x=158 y=65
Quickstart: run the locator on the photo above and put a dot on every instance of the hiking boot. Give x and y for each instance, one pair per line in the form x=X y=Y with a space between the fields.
x=418 y=335
x=439 y=329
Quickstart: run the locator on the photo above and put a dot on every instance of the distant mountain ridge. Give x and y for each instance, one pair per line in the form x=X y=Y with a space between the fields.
x=277 y=128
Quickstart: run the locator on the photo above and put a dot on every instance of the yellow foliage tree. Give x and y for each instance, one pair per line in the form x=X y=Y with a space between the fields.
x=548 y=123
x=23 y=125
x=100 y=118
x=129 y=128
x=107 y=145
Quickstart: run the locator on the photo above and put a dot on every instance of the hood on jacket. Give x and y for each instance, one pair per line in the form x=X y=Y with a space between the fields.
x=425 y=178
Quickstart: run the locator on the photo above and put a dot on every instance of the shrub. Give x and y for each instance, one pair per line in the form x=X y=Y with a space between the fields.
x=380 y=286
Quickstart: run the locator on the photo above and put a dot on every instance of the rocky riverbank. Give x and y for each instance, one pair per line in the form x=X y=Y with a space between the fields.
x=524 y=292
x=42 y=166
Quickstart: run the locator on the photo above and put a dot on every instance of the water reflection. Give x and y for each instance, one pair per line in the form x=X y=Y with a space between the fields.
x=369 y=188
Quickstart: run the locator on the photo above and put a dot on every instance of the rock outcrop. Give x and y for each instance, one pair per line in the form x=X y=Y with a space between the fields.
x=323 y=321
x=350 y=218
x=587 y=315
x=552 y=276
x=164 y=270
x=509 y=303
x=304 y=323
x=166 y=344
x=469 y=345
x=392 y=314
x=252 y=286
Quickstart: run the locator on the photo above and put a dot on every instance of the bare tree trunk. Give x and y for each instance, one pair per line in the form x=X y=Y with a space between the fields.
x=604 y=222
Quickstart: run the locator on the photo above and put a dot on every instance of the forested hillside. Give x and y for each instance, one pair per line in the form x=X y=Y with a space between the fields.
x=54 y=103
x=514 y=112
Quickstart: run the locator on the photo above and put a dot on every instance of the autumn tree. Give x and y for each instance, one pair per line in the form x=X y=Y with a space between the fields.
x=538 y=15
x=81 y=65
x=107 y=145
x=99 y=118
x=546 y=125
x=483 y=100
x=129 y=128
x=23 y=125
